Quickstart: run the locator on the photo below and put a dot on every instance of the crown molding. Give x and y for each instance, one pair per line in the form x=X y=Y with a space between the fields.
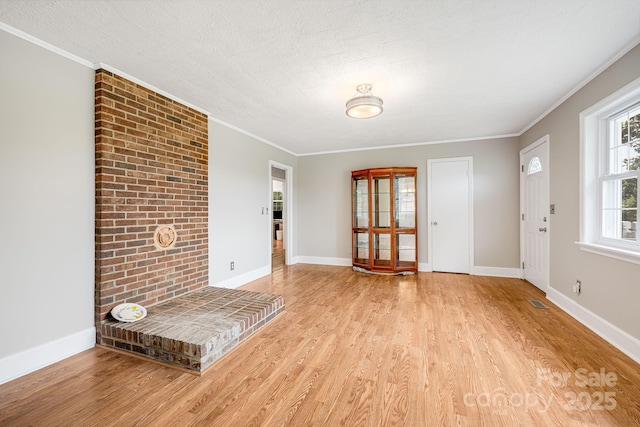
x=28 y=37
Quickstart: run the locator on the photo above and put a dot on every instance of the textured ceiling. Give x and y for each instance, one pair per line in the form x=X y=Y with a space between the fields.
x=282 y=70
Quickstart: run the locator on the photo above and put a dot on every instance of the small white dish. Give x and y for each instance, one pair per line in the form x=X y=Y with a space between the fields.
x=128 y=312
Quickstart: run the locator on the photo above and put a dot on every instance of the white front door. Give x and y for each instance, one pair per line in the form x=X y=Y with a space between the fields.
x=535 y=213
x=450 y=212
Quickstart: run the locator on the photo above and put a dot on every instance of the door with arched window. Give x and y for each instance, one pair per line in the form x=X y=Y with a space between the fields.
x=535 y=213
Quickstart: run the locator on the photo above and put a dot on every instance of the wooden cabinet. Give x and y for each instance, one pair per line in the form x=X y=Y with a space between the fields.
x=385 y=233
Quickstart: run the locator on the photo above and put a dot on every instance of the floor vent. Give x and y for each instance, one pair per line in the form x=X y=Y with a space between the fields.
x=537 y=304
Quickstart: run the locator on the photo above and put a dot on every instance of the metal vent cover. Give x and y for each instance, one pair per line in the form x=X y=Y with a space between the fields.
x=537 y=304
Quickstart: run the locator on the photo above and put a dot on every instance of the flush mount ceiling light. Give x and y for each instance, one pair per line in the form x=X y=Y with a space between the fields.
x=363 y=105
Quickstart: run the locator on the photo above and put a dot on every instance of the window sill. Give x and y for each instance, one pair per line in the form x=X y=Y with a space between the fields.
x=611 y=252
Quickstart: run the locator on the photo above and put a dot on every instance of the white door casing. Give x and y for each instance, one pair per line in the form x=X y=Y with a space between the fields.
x=534 y=213
x=450 y=214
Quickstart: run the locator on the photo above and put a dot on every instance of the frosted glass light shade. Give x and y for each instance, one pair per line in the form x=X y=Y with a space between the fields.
x=364 y=105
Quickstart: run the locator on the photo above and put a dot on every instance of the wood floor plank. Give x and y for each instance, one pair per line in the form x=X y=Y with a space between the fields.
x=355 y=349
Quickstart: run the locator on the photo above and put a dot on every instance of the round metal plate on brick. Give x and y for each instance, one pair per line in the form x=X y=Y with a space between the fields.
x=165 y=237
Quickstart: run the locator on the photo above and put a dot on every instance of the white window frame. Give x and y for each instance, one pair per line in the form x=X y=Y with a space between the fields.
x=593 y=143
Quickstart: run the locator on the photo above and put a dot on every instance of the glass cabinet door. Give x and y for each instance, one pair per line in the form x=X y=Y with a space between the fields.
x=361 y=202
x=382 y=249
x=381 y=201
x=361 y=247
x=405 y=250
x=405 y=203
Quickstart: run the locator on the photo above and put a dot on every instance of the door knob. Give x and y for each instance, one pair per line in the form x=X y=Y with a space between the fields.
x=543 y=229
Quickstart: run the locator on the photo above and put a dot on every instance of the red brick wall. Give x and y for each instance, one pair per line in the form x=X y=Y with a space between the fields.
x=151 y=169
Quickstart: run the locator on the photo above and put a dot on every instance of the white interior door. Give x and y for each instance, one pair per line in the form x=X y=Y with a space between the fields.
x=450 y=199
x=535 y=213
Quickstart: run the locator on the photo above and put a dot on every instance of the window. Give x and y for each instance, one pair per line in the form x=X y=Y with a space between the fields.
x=619 y=182
x=534 y=166
x=610 y=163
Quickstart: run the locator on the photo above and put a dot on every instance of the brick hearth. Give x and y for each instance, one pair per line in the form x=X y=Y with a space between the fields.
x=194 y=330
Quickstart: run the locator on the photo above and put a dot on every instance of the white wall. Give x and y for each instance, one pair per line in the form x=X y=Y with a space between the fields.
x=46 y=206
x=239 y=188
x=610 y=288
x=324 y=199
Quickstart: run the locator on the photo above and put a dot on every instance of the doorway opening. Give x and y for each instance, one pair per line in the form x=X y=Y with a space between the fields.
x=280 y=229
x=277 y=207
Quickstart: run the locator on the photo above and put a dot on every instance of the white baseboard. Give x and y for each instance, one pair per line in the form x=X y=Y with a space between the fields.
x=243 y=279
x=422 y=266
x=27 y=361
x=342 y=262
x=497 y=272
x=620 y=339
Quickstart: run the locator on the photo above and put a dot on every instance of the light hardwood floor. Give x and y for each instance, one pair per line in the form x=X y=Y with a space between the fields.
x=355 y=349
x=277 y=255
